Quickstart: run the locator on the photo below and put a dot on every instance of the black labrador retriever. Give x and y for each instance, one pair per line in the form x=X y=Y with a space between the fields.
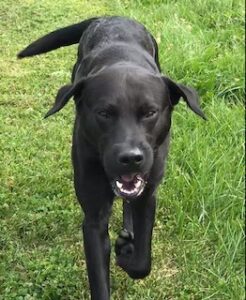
x=121 y=135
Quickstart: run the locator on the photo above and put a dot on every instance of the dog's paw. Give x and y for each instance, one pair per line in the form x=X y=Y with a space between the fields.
x=125 y=258
x=124 y=244
x=134 y=268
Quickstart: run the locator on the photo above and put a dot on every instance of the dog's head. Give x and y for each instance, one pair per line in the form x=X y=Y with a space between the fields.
x=126 y=114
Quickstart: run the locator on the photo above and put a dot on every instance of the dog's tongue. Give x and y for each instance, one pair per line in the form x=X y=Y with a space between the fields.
x=128 y=178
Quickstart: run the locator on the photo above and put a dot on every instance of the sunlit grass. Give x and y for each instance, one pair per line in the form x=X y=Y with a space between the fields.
x=198 y=249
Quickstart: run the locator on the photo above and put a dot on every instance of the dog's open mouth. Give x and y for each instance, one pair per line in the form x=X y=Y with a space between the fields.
x=129 y=186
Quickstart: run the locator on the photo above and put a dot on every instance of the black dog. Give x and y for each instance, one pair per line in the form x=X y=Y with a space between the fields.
x=121 y=135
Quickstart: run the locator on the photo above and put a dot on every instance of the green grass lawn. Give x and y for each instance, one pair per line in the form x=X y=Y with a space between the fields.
x=198 y=248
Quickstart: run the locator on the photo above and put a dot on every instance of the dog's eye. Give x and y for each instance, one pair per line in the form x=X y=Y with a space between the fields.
x=103 y=114
x=150 y=114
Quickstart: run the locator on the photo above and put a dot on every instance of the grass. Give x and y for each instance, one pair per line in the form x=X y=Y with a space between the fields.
x=198 y=246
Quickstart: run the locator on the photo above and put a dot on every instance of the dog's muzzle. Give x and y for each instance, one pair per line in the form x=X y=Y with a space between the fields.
x=129 y=186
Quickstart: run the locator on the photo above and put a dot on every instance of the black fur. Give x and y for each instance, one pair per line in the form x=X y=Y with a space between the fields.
x=121 y=134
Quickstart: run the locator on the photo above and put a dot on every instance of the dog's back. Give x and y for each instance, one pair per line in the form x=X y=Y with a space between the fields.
x=116 y=30
x=111 y=40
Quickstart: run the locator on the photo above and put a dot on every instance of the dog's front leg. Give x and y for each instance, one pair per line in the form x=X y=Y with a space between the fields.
x=97 y=251
x=96 y=197
x=143 y=212
x=133 y=250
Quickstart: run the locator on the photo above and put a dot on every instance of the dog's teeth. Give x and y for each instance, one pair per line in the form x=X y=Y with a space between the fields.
x=138 y=184
x=126 y=192
x=140 y=191
x=135 y=190
x=119 y=184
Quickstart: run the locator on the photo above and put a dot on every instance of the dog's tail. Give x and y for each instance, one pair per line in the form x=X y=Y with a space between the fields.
x=61 y=37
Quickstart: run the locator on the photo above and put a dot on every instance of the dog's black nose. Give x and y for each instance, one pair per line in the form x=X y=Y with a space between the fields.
x=131 y=157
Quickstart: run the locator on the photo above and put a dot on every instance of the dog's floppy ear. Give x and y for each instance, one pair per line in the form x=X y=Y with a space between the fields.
x=62 y=97
x=190 y=96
